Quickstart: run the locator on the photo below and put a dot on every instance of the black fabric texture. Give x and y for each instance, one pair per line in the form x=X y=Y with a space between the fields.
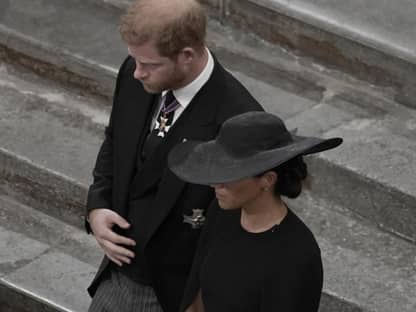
x=277 y=270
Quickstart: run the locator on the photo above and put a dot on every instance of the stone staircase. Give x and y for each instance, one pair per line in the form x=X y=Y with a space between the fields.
x=58 y=61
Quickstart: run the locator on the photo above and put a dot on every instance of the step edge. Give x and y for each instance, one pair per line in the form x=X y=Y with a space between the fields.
x=331 y=25
x=33 y=297
x=84 y=73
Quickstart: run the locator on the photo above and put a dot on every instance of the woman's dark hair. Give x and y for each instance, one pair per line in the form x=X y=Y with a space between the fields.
x=289 y=177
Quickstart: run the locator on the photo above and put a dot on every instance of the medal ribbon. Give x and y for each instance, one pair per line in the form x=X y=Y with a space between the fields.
x=166 y=109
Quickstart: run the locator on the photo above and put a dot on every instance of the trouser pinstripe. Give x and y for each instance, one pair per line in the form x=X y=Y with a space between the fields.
x=120 y=294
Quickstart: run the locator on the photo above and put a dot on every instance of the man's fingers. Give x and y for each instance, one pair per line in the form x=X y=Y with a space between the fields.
x=119 y=260
x=120 y=221
x=125 y=259
x=106 y=218
x=102 y=221
x=119 y=239
x=114 y=260
x=116 y=251
x=122 y=252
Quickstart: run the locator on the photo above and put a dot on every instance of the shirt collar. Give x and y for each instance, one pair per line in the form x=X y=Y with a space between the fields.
x=185 y=94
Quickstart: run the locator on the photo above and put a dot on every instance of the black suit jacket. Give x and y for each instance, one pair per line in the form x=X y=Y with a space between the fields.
x=123 y=184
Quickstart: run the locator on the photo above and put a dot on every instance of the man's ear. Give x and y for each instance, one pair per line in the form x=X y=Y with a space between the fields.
x=186 y=55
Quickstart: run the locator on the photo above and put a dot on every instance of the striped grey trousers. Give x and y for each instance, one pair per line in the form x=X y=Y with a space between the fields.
x=120 y=294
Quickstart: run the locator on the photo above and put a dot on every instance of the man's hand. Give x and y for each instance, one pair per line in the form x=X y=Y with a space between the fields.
x=102 y=222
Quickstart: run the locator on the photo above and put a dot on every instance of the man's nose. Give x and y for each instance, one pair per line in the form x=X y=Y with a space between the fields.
x=139 y=73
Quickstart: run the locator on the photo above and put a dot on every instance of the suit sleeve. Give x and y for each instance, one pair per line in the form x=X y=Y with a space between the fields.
x=297 y=289
x=100 y=191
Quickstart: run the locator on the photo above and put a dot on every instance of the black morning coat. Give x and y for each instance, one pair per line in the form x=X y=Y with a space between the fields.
x=147 y=193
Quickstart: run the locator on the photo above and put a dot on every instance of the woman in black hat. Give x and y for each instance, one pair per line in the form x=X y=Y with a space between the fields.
x=255 y=254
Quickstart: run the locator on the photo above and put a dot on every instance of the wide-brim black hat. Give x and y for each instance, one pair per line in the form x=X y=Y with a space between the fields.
x=247 y=145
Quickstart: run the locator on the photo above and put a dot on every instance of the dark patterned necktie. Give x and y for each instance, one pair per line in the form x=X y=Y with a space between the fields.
x=163 y=123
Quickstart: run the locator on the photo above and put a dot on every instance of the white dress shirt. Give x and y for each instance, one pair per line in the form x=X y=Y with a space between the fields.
x=185 y=94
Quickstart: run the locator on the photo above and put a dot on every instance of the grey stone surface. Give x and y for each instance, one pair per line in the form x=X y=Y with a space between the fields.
x=330 y=99
x=28 y=121
x=121 y=4
x=49 y=136
x=288 y=23
x=330 y=304
x=350 y=249
x=17 y=250
x=385 y=25
x=54 y=61
x=339 y=48
x=363 y=265
x=57 y=277
x=42 y=188
x=372 y=173
x=366 y=269
x=45 y=264
x=275 y=100
x=15 y=299
x=57 y=20
x=280 y=68
x=28 y=84
x=42 y=231
x=390 y=158
x=319 y=119
x=373 y=154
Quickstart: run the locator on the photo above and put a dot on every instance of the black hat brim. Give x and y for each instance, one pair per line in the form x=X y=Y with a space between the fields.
x=209 y=163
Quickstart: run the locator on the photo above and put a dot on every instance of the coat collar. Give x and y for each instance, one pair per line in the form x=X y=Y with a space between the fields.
x=201 y=113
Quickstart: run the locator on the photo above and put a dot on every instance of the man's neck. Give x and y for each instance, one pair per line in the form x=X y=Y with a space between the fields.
x=197 y=67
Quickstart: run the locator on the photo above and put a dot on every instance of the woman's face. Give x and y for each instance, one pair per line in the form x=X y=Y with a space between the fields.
x=236 y=194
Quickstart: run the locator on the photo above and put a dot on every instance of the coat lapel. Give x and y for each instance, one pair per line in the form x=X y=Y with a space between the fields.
x=197 y=122
x=193 y=123
x=189 y=126
x=130 y=131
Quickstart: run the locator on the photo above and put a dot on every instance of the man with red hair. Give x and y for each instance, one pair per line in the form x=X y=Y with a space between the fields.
x=169 y=89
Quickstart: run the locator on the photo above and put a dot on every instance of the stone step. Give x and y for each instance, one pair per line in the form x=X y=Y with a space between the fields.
x=90 y=59
x=45 y=264
x=52 y=178
x=372 y=174
x=375 y=24
x=312 y=98
x=49 y=139
x=368 y=268
x=372 y=40
x=369 y=40
x=45 y=170
x=49 y=37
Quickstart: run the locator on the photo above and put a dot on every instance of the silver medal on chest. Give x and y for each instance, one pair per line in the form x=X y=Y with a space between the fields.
x=196 y=220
